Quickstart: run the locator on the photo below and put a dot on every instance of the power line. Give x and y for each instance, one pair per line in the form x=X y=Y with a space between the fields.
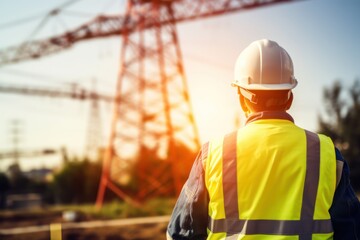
x=110 y=5
x=53 y=12
x=36 y=76
x=76 y=92
x=208 y=61
x=106 y=26
x=155 y=117
x=15 y=23
x=78 y=14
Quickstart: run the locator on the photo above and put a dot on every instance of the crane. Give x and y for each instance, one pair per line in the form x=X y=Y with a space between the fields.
x=152 y=106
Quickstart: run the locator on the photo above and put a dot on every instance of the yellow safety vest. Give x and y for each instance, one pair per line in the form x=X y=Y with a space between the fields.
x=270 y=180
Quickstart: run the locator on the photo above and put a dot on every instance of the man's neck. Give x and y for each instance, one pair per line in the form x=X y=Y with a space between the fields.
x=269 y=115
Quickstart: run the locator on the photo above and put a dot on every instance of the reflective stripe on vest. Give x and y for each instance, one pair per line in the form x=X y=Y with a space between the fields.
x=232 y=225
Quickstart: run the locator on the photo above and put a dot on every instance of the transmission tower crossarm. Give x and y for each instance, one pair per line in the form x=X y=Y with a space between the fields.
x=106 y=26
x=101 y=26
x=28 y=154
x=78 y=94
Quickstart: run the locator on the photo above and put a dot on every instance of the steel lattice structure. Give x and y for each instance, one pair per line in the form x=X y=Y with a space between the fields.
x=106 y=26
x=152 y=103
x=152 y=108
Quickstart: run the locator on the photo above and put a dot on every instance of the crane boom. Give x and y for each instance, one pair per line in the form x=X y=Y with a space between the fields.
x=105 y=26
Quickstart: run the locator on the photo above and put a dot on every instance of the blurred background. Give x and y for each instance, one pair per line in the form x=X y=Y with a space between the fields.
x=105 y=104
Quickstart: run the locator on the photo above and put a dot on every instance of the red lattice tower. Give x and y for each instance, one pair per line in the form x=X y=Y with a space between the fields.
x=152 y=115
x=152 y=109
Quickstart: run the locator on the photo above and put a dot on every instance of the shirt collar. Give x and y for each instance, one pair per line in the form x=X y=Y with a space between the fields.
x=269 y=115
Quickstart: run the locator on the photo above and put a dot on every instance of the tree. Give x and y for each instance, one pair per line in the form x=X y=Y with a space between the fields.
x=151 y=175
x=77 y=182
x=341 y=122
x=18 y=181
x=4 y=187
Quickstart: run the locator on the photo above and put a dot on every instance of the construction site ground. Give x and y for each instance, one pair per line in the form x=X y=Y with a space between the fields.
x=23 y=226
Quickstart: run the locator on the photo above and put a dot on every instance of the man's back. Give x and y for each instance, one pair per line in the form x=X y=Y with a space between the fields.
x=270 y=179
x=274 y=173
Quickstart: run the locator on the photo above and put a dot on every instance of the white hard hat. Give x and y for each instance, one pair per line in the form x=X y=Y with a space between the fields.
x=264 y=65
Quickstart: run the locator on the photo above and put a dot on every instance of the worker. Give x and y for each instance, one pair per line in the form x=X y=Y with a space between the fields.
x=270 y=179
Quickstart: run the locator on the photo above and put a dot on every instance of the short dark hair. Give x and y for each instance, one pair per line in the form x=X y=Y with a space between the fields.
x=265 y=100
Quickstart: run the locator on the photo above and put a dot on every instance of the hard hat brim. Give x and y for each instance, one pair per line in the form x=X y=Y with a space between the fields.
x=265 y=87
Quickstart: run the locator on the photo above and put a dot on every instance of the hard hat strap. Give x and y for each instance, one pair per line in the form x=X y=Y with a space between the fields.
x=249 y=95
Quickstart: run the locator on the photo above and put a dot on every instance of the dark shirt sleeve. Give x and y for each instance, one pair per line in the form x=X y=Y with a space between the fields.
x=345 y=209
x=190 y=214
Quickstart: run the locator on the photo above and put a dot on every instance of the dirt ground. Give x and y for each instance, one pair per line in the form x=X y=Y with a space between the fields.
x=134 y=232
x=148 y=231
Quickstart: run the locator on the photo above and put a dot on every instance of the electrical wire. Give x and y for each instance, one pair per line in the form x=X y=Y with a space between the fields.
x=67 y=3
x=26 y=20
x=15 y=23
x=108 y=6
x=52 y=13
x=36 y=76
x=36 y=30
x=61 y=22
x=54 y=80
x=207 y=61
x=37 y=105
x=78 y=14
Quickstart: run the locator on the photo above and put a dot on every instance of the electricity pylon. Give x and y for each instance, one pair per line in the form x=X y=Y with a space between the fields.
x=152 y=109
x=94 y=130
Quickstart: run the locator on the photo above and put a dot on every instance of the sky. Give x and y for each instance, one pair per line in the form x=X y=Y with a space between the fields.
x=321 y=36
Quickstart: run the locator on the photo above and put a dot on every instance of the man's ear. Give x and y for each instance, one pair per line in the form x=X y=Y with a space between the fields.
x=289 y=102
x=243 y=105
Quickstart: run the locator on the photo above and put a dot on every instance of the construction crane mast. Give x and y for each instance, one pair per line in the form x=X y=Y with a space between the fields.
x=152 y=107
